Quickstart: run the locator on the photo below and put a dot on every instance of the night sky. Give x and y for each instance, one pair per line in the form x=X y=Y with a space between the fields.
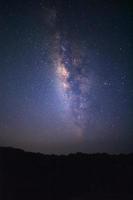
x=66 y=75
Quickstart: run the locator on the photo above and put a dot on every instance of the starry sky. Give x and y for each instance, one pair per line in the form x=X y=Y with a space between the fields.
x=66 y=76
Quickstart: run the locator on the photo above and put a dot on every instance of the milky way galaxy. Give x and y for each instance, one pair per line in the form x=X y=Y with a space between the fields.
x=73 y=81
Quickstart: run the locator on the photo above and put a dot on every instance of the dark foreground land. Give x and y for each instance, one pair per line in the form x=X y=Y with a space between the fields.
x=25 y=176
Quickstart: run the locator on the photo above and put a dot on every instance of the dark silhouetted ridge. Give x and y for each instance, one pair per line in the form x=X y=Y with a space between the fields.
x=26 y=175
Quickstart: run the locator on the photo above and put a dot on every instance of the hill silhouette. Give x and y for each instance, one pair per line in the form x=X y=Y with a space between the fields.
x=26 y=175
